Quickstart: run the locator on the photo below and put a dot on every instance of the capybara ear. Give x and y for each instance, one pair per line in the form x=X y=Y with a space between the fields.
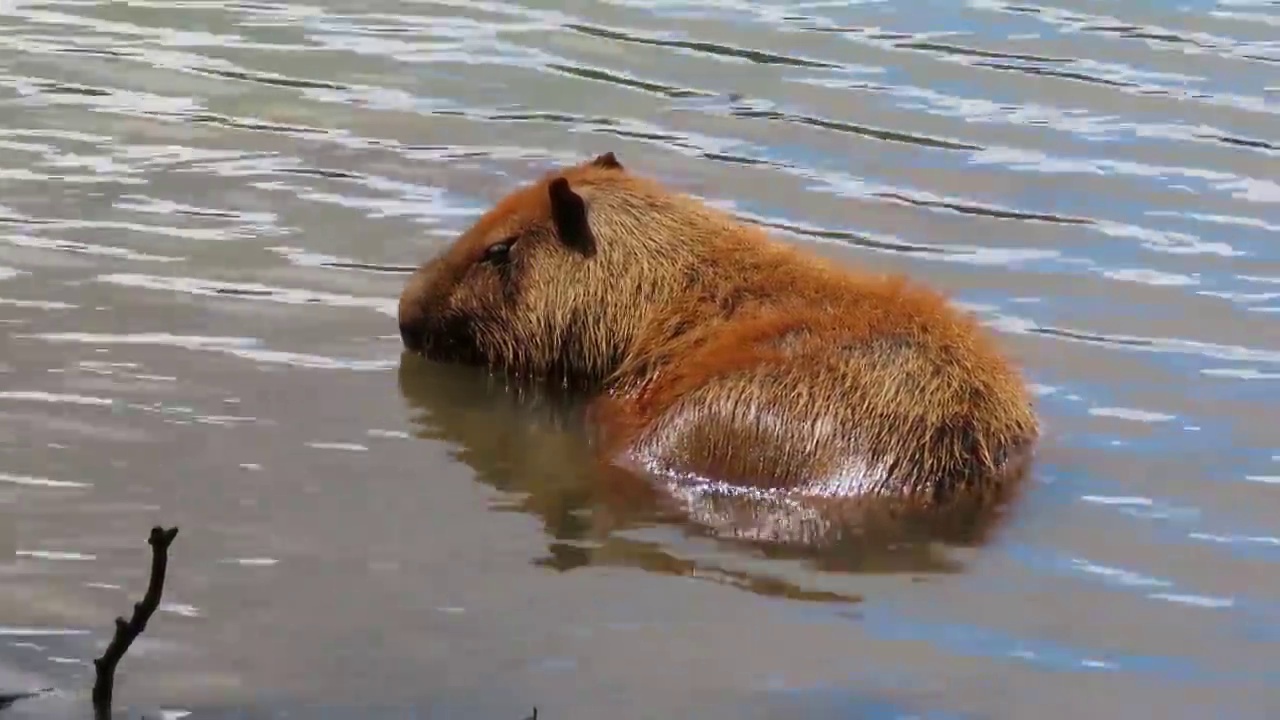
x=569 y=213
x=608 y=161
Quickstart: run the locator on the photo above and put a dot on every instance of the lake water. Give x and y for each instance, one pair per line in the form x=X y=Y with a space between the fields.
x=207 y=210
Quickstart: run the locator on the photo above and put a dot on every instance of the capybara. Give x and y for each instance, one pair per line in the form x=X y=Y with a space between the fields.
x=722 y=359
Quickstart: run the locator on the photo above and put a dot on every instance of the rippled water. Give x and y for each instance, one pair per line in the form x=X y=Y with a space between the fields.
x=208 y=208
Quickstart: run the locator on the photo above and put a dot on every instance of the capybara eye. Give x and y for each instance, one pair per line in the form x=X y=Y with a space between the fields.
x=498 y=253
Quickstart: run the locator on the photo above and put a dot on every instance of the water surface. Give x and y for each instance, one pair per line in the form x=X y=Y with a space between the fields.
x=208 y=208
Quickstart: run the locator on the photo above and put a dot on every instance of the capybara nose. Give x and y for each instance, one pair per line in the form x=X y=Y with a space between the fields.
x=413 y=309
x=411 y=337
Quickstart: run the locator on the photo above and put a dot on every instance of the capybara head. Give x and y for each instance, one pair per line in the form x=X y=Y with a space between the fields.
x=558 y=277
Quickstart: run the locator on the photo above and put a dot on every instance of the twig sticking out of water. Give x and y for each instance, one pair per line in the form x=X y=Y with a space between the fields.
x=127 y=632
x=534 y=716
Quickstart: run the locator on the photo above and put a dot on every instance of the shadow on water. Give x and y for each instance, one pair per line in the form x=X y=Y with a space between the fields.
x=533 y=442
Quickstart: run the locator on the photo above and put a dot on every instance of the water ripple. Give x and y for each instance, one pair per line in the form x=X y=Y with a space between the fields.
x=248 y=291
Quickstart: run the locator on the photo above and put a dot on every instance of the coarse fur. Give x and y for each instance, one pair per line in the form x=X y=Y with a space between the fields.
x=723 y=360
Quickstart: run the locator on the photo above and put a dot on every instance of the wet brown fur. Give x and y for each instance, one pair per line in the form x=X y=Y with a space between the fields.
x=719 y=353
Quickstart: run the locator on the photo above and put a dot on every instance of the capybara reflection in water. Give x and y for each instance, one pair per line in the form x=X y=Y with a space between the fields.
x=725 y=363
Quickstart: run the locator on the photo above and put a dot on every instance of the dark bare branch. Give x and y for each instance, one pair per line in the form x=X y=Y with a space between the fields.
x=127 y=632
